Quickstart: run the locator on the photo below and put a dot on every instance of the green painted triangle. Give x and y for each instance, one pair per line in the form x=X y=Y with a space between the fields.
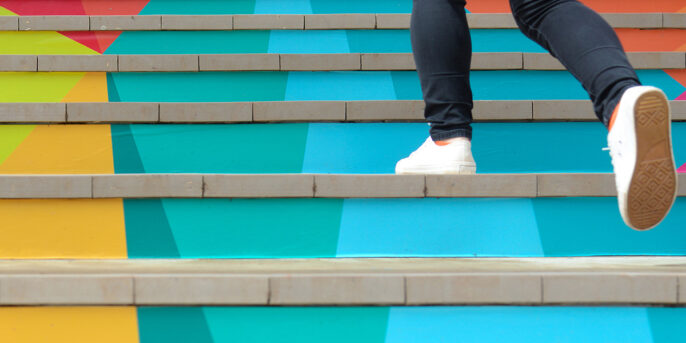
x=10 y=138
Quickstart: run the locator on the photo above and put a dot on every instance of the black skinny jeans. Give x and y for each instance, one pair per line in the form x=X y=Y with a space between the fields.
x=585 y=44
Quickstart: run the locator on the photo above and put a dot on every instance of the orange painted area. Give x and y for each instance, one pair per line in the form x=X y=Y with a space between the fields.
x=91 y=88
x=69 y=324
x=677 y=74
x=652 y=40
x=606 y=6
x=63 y=149
x=62 y=229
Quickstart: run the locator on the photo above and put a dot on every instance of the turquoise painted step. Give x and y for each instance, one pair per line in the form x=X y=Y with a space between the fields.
x=276 y=6
x=349 y=85
x=352 y=148
x=301 y=42
x=318 y=228
x=411 y=324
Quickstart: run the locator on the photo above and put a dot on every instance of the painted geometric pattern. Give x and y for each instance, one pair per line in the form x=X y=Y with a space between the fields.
x=313 y=228
x=342 y=324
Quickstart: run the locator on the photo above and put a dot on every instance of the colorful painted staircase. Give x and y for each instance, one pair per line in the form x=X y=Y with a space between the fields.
x=220 y=171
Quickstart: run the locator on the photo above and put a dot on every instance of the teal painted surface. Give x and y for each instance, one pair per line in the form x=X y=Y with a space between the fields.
x=349 y=85
x=255 y=228
x=199 y=7
x=173 y=325
x=406 y=85
x=221 y=148
x=659 y=78
x=112 y=94
x=148 y=234
x=283 y=7
x=319 y=228
x=379 y=41
x=190 y=42
x=439 y=227
x=497 y=147
x=308 y=42
x=301 y=41
x=200 y=87
x=668 y=324
x=357 y=148
x=518 y=324
x=340 y=85
x=298 y=324
x=593 y=226
x=124 y=151
x=361 y=6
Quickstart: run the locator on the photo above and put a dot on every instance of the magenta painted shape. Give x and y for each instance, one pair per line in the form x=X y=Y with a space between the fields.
x=682 y=169
x=681 y=97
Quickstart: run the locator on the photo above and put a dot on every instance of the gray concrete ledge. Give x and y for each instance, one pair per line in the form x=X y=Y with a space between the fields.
x=296 y=111
x=641 y=281
x=302 y=62
x=309 y=185
x=350 y=21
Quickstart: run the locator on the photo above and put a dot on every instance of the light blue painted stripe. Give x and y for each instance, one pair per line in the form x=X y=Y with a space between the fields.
x=438 y=227
x=308 y=42
x=498 y=147
x=283 y=7
x=518 y=324
x=341 y=85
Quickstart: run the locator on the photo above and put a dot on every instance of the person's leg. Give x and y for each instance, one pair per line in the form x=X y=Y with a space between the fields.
x=637 y=116
x=584 y=43
x=442 y=50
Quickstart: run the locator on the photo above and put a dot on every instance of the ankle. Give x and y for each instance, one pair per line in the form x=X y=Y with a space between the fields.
x=452 y=140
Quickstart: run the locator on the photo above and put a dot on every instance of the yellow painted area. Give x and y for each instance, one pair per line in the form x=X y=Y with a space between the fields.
x=10 y=138
x=40 y=43
x=62 y=229
x=68 y=324
x=63 y=149
x=91 y=88
x=37 y=86
x=4 y=11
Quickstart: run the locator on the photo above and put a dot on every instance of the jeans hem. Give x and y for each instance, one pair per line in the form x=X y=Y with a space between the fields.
x=439 y=136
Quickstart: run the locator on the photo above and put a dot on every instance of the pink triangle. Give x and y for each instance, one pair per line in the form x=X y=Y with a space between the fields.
x=682 y=169
x=682 y=97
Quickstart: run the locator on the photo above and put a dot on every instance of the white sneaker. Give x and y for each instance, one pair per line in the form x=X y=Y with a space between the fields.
x=430 y=158
x=640 y=144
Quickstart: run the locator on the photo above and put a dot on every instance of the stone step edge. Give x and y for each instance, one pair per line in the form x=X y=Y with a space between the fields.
x=447 y=282
x=297 y=22
x=295 y=111
x=300 y=62
x=309 y=186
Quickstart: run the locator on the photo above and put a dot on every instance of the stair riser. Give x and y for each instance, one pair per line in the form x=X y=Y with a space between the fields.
x=353 y=148
x=315 y=228
x=362 y=324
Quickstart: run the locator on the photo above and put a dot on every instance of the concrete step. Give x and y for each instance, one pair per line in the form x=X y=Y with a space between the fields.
x=302 y=62
x=296 y=111
x=294 y=22
x=348 y=282
x=308 y=186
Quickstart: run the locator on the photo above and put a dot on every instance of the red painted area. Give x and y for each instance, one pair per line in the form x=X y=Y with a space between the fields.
x=86 y=38
x=114 y=7
x=678 y=74
x=44 y=7
x=74 y=7
x=651 y=40
x=625 y=6
x=106 y=38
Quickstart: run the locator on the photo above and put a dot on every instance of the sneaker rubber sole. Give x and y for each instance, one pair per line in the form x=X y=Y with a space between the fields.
x=653 y=186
